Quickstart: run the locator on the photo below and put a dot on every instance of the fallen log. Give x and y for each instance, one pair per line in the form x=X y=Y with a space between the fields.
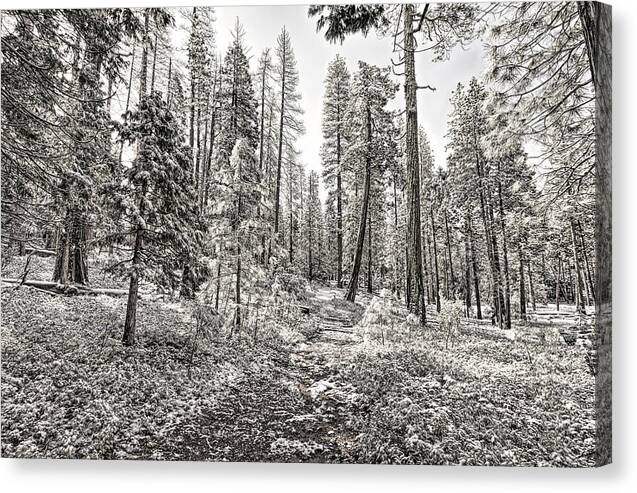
x=40 y=252
x=71 y=289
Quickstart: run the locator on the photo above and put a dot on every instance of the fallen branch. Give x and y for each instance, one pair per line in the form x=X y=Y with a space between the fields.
x=40 y=252
x=70 y=289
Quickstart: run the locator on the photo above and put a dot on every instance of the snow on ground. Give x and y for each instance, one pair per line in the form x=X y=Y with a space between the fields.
x=332 y=394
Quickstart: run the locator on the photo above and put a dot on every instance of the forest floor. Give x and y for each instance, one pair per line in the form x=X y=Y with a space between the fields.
x=317 y=387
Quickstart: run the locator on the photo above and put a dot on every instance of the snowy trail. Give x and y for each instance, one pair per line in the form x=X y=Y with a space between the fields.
x=300 y=415
x=314 y=371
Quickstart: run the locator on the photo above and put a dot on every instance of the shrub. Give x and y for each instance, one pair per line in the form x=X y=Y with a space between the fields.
x=450 y=315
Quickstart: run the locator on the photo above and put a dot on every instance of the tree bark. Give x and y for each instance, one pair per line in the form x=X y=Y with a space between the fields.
x=280 y=153
x=435 y=256
x=596 y=19
x=530 y=274
x=360 y=240
x=452 y=277
x=370 y=287
x=522 y=283
x=130 y=322
x=413 y=167
x=507 y=277
x=579 y=282
x=557 y=284
x=474 y=268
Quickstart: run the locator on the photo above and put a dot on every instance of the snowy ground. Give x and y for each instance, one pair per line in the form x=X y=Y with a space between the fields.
x=330 y=393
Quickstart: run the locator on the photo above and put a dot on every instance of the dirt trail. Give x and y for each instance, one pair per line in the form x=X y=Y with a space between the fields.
x=314 y=370
x=301 y=414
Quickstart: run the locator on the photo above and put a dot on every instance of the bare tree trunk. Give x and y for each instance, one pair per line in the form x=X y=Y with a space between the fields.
x=218 y=286
x=596 y=19
x=280 y=154
x=487 y=224
x=152 y=76
x=530 y=274
x=397 y=282
x=522 y=283
x=339 y=219
x=507 y=277
x=170 y=75
x=192 y=109
x=467 y=272
x=474 y=268
x=413 y=167
x=130 y=86
x=360 y=240
x=579 y=286
x=452 y=277
x=370 y=288
x=589 y=277
x=557 y=284
x=309 y=229
x=435 y=255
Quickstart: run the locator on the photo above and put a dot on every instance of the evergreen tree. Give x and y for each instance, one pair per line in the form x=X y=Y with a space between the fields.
x=289 y=111
x=335 y=103
x=370 y=150
x=158 y=200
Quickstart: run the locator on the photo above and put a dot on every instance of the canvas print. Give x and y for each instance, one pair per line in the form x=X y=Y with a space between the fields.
x=367 y=233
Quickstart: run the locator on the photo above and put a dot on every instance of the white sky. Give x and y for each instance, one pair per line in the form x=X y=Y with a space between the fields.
x=313 y=54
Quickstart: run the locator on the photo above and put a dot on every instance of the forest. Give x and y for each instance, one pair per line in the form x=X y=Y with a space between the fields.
x=178 y=283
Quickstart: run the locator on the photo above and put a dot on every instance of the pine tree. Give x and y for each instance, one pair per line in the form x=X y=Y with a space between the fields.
x=159 y=201
x=314 y=222
x=237 y=188
x=370 y=150
x=335 y=103
x=289 y=111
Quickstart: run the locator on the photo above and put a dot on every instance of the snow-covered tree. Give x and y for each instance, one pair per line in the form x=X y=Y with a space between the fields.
x=335 y=101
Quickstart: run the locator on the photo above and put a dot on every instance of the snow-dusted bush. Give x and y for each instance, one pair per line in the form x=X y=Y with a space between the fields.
x=450 y=316
x=383 y=321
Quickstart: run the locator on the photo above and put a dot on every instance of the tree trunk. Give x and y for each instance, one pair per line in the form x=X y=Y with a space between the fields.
x=522 y=283
x=152 y=76
x=452 y=277
x=280 y=153
x=589 y=278
x=397 y=281
x=413 y=167
x=370 y=288
x=499 y=302
x=130 y=86
x=474 y=268
x=130 y=324
x=467 y=273
x=507 y=277
x=491 y=250
x=557 y=284
x=218 y=286
x=596 y=19
x=579 y=281
x=131 y=306
x=339 y=220
x=70 y=264
x=435 y=254
x=530 y=274
x=192 y=108
x=309 y=229
x=360 y=240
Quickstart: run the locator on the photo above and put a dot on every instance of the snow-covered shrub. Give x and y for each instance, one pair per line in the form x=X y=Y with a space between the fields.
x=382 y=321
x=450 y=316
x=550 y=336
x=295 y=285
